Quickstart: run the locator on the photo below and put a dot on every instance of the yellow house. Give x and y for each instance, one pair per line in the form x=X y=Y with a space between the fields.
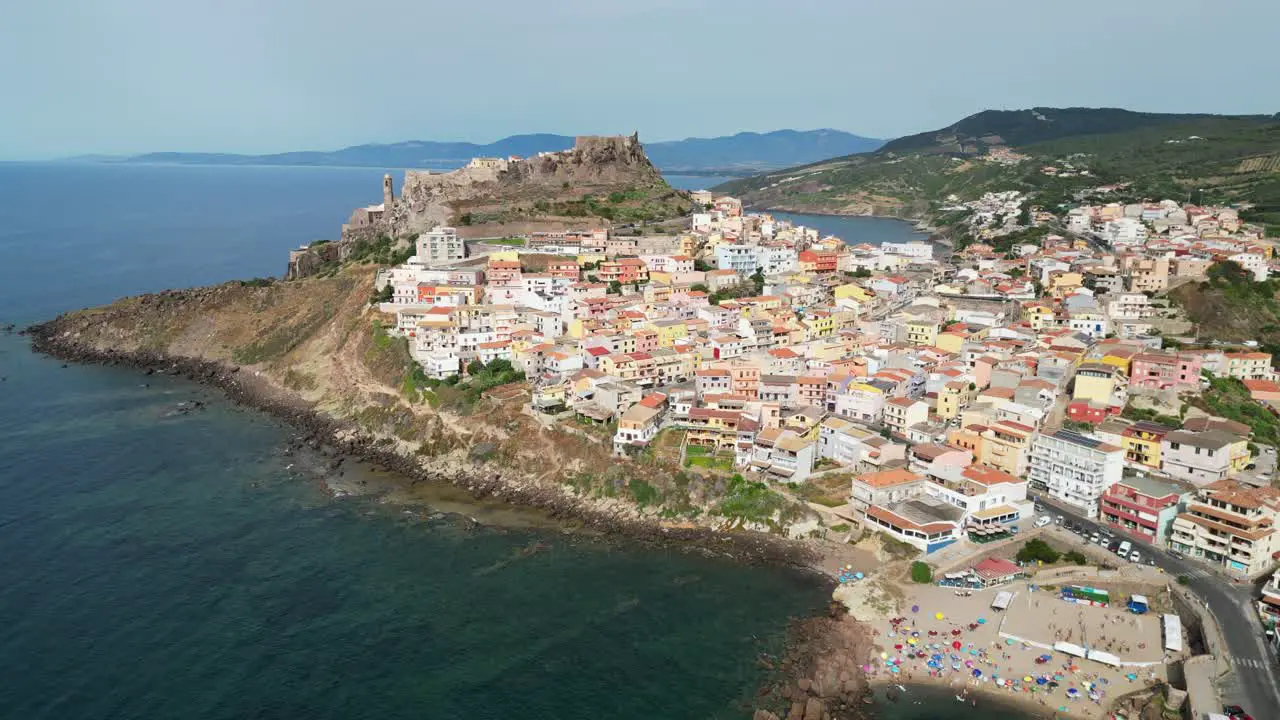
x=1120 y=358
x=1005 y=446
x=1238 y=452
x=669 y=331
x=922 y=332
x=1141 y=443
x=1062 y=284
x=819 y=326
x=1040 y=316
x=1095 y=382
x=852 y=291
x=585 y=258
x=953 y=396
x=950 y=341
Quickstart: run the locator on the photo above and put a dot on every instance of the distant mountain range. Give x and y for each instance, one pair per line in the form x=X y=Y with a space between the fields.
x=1218 y=158
x=741 y=154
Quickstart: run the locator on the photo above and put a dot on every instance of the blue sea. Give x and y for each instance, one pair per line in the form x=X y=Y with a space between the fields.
x=161 y=564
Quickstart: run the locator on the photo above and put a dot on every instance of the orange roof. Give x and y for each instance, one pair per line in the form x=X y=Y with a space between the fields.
x=988 y=476
x=888 y=478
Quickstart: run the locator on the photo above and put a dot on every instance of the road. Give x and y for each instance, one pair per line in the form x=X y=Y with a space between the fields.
x=1252 y=684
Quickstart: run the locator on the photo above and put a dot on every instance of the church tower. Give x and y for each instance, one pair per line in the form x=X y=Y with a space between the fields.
x=388 y=193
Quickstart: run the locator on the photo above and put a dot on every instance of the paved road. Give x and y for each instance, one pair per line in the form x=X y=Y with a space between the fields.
x=1252 y=683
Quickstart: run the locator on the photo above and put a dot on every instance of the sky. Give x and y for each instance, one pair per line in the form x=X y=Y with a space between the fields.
x=254 y=76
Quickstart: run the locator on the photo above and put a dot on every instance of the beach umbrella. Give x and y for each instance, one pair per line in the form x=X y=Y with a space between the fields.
x=858 y=575
x=1041 y=681
x=956 y=644
x=977 y=672
x=1028 y=678
x=912 y=641
x=938 y=616
x=955 y=632
x=1072 y=692
x=893 y=669
x=968 y=663
x=937 y=656
x=884 y=655
x=915 y=608
x=1053 y=684
x=1008 y=641
x=897 y=647
x=982 y=621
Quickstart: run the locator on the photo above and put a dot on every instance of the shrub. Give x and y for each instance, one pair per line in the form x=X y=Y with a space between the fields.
x=1038 y=550
x=921 y=572
x=1077 y=557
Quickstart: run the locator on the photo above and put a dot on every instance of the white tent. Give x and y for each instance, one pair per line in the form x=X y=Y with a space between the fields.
x=1105 y=658
x=1002 y=601
x=1069 y=648
x=1172 y=633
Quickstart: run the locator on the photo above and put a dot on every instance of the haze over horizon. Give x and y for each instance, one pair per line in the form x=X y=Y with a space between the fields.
x=323 y=74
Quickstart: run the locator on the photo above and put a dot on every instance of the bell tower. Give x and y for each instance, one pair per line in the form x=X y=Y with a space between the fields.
x=388 y=192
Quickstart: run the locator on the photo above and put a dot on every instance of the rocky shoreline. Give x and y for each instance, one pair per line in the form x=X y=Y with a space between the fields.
x=338 y=440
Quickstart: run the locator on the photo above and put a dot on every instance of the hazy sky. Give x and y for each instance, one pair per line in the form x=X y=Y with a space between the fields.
x=124 y=76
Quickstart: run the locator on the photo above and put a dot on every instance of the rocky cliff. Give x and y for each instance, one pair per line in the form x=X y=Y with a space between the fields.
x=593 y=165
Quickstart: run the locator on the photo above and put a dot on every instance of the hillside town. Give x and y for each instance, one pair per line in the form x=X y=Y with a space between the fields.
x=945 y=392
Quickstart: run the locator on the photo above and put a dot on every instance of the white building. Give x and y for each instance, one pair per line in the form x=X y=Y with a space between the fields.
x=915 y=250
x=1074 y=468
x=741 y=259
x=441 y=245
x=1124 y=231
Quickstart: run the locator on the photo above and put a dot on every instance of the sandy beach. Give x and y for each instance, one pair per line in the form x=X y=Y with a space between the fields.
x=934 y=635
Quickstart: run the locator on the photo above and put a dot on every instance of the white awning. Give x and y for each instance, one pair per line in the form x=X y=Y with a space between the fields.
x=1172 y=633
x=1002 y=600
x=1069 y=648
x=1105 y=658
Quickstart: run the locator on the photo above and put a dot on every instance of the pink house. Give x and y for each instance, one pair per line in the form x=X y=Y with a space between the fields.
x=646 y=340
x=1159 y=371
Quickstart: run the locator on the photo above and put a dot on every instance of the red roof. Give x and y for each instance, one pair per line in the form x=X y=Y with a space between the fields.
x=993 y=568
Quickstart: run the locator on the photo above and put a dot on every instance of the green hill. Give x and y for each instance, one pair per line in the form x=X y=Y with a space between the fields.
x=1207 y=158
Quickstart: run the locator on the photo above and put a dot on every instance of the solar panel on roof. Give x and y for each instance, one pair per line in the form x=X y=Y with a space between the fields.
x=1077 y=438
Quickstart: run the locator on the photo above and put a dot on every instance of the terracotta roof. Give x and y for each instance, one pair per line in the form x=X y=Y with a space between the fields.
x=888 y=478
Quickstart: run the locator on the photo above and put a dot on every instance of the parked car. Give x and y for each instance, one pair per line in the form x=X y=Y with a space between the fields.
x=1104 y=540
x=1235 y=712
x=1113 y=545
x=1135 y=557
x=1173 y=553
x=1043 y=520
x=1094 y=538
x=1123 y=550
x=1058 y=519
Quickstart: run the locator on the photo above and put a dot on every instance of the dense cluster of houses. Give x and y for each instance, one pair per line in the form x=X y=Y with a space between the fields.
x=945 y=392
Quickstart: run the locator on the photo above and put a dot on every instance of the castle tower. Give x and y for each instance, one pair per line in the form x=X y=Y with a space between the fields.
x=388 y=192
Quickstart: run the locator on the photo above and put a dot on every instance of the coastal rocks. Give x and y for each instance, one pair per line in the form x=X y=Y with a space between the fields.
x=185 y=407
x=337 y=438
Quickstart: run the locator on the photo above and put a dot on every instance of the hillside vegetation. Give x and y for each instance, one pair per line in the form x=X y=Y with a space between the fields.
x=1204 y=158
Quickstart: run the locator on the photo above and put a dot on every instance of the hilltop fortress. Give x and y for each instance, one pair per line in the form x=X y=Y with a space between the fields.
x=427 y=198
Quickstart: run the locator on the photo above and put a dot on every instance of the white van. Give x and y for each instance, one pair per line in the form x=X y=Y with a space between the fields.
x=1043 y=520
x=1123 y=550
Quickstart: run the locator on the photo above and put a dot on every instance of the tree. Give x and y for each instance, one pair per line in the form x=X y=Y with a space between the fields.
x=758 y=278
x=1077 y=557
x=475 y=367
x=701 y=265
x=615 y=287
x=699 y=287
x=1228 y=272
x=1037 y=549
x=383 y=295
x=921 y=572
x=862 y=273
